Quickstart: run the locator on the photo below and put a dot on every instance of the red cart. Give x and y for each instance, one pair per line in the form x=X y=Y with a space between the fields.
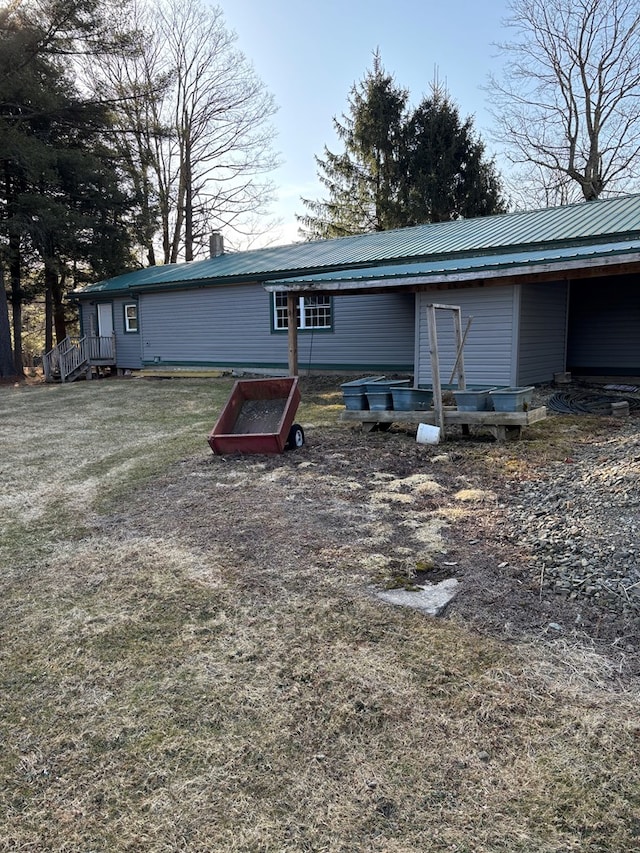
x=258 y=418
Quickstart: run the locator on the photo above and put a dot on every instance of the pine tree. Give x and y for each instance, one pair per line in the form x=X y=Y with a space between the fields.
x=447 y=174
x=364 y=181
x=7 y=365
x=61 y=201
x=400 y=166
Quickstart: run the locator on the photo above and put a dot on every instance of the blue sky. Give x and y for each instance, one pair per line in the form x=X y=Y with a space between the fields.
x=310 y=54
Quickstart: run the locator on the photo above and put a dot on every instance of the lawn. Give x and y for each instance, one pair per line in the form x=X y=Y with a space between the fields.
x=191 y=659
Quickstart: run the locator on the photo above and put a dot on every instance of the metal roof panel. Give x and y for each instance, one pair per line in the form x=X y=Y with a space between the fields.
x=478 y=265
x=585 y=223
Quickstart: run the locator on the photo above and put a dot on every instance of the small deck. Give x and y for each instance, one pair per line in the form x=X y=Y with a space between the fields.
x=73 y=358
x=503 y=425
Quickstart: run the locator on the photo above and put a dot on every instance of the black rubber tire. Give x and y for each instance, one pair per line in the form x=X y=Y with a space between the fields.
x=296 y=437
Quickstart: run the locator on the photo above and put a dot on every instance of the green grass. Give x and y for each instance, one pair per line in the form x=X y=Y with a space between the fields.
x=169 y=683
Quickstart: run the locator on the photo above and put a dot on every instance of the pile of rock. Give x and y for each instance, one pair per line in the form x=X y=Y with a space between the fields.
x=581 y=523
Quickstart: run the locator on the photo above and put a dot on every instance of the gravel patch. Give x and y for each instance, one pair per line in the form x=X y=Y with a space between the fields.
x=581 y=521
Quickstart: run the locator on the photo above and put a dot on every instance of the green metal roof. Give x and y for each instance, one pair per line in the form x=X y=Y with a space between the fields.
x=465 y=266
x=511 y=238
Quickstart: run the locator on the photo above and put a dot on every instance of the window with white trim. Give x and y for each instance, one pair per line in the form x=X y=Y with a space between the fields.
x=312 y=312
x=131 y=317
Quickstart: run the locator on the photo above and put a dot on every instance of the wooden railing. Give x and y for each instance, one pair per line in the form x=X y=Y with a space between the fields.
x=70 y=356
x=51 y=364
x=102 y=348
x=73 y=356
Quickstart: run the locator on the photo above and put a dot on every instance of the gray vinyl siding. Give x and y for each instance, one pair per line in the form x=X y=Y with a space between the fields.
x=604 y=326
x=128 y=344
x=543 y=331
x=489 y=348
x=372 y=331
x=232 y=327
x=87 y=311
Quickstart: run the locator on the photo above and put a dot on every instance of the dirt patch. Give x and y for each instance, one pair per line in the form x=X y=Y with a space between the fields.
x=259 y=416
x=198 y=659
x=380 y=510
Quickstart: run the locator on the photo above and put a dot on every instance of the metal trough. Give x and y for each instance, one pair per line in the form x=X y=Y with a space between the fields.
x=258 y=418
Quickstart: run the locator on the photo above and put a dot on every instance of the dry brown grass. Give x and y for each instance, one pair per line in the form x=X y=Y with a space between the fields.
x=162 y=691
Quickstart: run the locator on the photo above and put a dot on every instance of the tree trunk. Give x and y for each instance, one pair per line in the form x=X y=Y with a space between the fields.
x=188 y=204
x=48 y=320
x=18 y=357
x=7 y=366
x=177 y=228
x=16 y=302
x=54 y=285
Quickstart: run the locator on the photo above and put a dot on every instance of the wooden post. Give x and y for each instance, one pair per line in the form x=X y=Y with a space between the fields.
x=435 y=361
x=460 y=341
x=435 y=367
x=292 y=321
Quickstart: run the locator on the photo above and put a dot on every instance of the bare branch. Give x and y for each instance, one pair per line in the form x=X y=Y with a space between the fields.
x=570 y=95
x=201 y=118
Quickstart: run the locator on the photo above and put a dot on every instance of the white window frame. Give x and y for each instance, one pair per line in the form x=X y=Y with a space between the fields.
x=321 y=304
x=127 y=318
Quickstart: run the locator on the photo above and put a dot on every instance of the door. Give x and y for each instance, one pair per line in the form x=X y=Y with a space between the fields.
x=105 y=330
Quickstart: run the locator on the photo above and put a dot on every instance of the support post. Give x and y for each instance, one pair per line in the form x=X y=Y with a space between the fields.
x=435 y=361
x=292 y=321
x=435 y=367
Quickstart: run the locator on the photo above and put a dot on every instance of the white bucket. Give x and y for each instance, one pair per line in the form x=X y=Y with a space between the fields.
x=428 y=434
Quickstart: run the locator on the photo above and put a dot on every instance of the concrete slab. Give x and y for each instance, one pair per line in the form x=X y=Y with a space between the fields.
x=429 y=598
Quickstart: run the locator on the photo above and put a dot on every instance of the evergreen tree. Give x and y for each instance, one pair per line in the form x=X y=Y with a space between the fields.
x=61 y=203
x=400 y=166
x=447 y=175
x=365 y=180
x=7 y=365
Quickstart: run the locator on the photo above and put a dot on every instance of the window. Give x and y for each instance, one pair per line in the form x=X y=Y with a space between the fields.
x=131 y=317
x=313 y=312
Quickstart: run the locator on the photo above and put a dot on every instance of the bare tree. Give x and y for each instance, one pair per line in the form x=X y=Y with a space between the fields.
x=194 y=125
x=134 y=81
x=568 y=102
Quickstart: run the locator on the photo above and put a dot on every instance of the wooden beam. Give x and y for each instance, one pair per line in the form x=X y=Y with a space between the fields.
x=435 y=366
x=292 y=321
x=460 y=341
x=531 y=273
x=451 y=416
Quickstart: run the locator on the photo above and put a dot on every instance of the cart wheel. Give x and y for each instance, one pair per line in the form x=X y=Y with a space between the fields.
x=296 y=437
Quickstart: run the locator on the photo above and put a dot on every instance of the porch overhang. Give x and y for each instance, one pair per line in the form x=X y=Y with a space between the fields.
x=543 y=265
x=549 y=264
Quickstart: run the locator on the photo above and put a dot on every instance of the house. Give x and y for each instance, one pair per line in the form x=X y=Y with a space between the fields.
x=548 y=291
